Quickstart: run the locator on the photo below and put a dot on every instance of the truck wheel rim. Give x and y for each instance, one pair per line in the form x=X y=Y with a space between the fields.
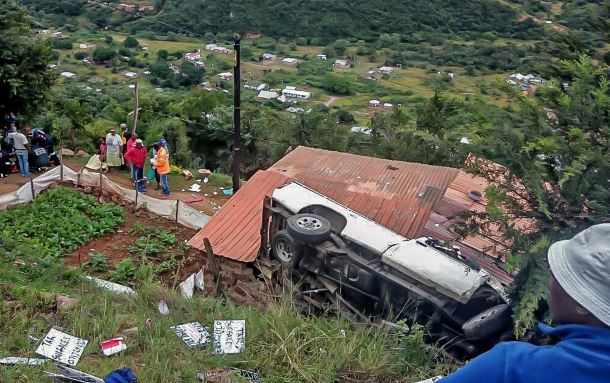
x=309 y=223
x=284 y=251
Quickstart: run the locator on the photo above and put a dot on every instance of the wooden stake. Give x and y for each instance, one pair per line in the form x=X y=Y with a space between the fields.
x=177 y=207
x=213 y=265
x=32 y=186
x=136 y=109
x=61 y=160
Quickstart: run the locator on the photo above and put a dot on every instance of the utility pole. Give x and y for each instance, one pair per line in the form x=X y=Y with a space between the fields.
x=236 y=111
x=136 y=108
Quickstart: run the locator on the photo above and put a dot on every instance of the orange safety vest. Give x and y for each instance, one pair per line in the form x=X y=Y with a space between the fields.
x=162 y=161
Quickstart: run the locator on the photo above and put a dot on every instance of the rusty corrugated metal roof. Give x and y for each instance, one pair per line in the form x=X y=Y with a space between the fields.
x=234 y=231
x=398 y=195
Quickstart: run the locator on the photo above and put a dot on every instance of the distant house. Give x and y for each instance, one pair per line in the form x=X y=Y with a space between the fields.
x=211 y=47
x=295 y=109
x=289 y=61
x=451 y=74
x=82 y=46
x=341 y=64
x=131 y=75
x=174 y=68
x=223 y=50
x=207 y=86
x=145 y=49
x=371 y=73
x=258 y=86
x=68 y=74
x=386 y=70
x=321 y=57
x=225 y=76
x=387 y=105
x=53 y=66
x=374 y=103
x=293 y=93
x=193 y=56
x=43 y=31
x=269 y=57
x=199 y=64
x=57 y=35
x=267 y=95
x=87 y=61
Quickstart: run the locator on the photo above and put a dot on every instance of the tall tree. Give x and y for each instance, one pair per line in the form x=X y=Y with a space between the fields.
x=24 y=57
x=549 y=177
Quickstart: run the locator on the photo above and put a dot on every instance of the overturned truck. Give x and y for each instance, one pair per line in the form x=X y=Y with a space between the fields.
x=379 y=273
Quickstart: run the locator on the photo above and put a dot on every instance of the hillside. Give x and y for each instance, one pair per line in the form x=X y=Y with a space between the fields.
x=322 y=19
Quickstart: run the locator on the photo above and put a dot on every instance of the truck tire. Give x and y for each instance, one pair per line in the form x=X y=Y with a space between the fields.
x=308 y=228
x=286 y=249
x=487 y=322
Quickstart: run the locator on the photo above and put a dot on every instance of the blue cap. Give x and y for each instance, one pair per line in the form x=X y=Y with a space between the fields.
x=163 y=142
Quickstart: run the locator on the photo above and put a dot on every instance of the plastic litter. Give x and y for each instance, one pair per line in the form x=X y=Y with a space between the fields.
x=187 y=288
x=14 y=361
x=162 y=307
x=72 y=375
x=114 y=287
x=113 y=346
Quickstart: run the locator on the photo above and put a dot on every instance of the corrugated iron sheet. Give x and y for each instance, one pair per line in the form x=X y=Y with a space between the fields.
x=234 y=231
x=398 y=195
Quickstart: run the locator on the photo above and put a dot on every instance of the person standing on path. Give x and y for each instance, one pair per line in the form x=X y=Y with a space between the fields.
x=114 y=147
x=22 y=147
x=162 y=166
x=131 y=142
x=136 y=156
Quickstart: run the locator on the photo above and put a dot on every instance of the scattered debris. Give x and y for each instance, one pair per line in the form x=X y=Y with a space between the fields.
x=229 y=336
x=61 y=347
x=13 y=361
x=114 y=287
x=195 y=188
x=187 y=288
x=113 y=346
x=33 y=340
x=227 y=191
x=187 y=174
x=204 y=172
x=193 y=200
x=205 y=180
x=72 y=375
x=162 y=307
x=65 y=303
x=221 y=375
x=193 y=334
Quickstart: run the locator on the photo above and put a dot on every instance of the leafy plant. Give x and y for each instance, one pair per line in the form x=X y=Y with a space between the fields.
x=98 y=261
x=124 y=271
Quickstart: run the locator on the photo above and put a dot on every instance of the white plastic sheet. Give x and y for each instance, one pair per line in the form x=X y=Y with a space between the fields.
x=187 y=216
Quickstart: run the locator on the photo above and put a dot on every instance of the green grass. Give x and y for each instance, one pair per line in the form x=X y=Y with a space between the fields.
x=281 y=344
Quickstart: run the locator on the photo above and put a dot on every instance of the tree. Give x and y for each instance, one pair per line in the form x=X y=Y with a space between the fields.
x=162 y=54
x=131 y=42
x=341 y=46
x=25 y=77
x=108 y=39
x=80 y=55
x=103 y=54
x=548 y=179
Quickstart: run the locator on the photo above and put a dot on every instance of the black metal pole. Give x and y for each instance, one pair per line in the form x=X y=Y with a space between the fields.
x=236 y=112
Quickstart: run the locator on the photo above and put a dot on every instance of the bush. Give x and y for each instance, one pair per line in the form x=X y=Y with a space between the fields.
x=131 y=42
x=61 y=43
x=103 y=54
x=98 y=261
x=124 y=271
x=125 y=52
x=80 y=55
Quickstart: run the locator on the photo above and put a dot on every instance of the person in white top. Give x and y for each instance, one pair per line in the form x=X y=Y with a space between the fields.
x=114 y=150
x=21 y=145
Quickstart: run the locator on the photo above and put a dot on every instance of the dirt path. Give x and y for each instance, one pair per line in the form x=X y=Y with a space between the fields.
x=330 y=100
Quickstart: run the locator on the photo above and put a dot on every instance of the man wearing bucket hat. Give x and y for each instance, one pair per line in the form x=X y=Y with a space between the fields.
x=579 y=302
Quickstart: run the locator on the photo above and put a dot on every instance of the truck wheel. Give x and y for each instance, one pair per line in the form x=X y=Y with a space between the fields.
x=487 y=322
x=285 y=248
x=308 y=228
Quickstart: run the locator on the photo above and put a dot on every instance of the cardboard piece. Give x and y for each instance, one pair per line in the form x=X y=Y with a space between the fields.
x=187 y=288
x=193 y=334
x=13 y=361
x=73 y=375
x=114 y=287
x=113 y=346
x=61 y=347
x=229 y=336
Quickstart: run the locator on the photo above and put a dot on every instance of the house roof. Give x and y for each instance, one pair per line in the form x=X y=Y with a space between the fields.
x=411 y=199
x=234 y=232
x=398 y=195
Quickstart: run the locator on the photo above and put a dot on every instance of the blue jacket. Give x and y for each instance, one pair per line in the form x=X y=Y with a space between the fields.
x=582 y=356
